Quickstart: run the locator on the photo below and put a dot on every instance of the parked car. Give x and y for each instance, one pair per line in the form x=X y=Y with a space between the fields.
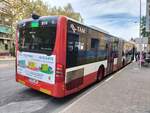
x=147 y=59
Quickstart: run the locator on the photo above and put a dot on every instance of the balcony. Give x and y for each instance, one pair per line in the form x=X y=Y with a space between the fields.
x=5 y=29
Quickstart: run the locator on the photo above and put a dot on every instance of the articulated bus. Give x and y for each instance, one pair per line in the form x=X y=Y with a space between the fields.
x=59 y=56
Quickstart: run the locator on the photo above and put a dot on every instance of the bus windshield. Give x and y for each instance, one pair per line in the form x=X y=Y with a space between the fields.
x=37 y=40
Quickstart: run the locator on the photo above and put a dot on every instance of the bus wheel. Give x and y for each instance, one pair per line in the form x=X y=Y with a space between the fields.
x=100 y=74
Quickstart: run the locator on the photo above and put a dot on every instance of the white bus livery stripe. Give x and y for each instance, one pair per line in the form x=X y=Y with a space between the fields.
x=88 y=68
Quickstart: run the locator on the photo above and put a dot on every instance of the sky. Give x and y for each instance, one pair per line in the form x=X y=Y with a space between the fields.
x=118 y=17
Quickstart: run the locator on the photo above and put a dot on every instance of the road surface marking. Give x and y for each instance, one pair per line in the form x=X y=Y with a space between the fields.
x=6 y=65
x=23 y=106
x=108 y=79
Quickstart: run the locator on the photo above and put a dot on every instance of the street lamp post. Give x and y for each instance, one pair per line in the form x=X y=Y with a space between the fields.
x=140 y=37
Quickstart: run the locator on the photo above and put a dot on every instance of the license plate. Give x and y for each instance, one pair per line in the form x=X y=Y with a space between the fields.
x=33 y=81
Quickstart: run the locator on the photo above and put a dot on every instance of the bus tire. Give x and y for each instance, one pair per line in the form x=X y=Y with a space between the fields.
x=100 y=73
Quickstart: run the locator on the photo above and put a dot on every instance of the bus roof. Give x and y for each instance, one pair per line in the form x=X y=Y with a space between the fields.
x=42 y=17
x=55 y=17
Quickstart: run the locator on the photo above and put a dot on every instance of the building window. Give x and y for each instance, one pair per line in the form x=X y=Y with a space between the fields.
x=6 y=47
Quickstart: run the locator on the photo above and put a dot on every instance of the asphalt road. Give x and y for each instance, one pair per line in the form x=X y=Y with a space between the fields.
x=126 y=91
x=16 y=98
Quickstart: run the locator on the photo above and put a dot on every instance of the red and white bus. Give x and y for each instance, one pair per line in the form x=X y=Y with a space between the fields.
x=59 y=56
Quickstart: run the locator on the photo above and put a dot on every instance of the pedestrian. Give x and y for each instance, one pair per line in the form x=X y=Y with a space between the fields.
x=137 y=56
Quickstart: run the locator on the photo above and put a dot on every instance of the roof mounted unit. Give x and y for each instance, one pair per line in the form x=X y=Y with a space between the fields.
x=35 y=16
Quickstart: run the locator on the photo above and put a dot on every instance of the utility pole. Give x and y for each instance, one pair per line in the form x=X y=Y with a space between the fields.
x=140 y=36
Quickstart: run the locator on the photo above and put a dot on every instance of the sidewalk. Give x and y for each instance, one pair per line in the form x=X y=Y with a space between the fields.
x=127 y=91
x=6 y=58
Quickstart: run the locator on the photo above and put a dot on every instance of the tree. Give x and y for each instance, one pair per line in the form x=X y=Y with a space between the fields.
x=16 y=11
x=21 y=9
x=37 y=6
x=144 y=33
x=66 y=11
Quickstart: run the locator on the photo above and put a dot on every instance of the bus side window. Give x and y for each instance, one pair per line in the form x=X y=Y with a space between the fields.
x=106 y=46
x=72 y=49
x=93 y=50
x=94 y=43
x=76 y=49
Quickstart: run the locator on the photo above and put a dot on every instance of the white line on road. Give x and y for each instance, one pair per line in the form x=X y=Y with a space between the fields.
x=108 y=79
x=23 y=106
x=6 y=65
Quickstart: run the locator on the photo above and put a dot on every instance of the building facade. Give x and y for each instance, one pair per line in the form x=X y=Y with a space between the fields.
x=6 y=39
x=142 y=44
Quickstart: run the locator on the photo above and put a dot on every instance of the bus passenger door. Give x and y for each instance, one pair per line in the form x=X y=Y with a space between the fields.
x=120 y=50
x=110 y=59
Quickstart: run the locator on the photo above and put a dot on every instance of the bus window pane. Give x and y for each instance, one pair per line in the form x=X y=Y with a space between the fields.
x=72 y=49
x=40 y=40
x=94 y=43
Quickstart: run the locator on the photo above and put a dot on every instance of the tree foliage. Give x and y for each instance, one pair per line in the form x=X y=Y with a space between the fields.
x=22 y=9
x=67 y=11
x=144 y=33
